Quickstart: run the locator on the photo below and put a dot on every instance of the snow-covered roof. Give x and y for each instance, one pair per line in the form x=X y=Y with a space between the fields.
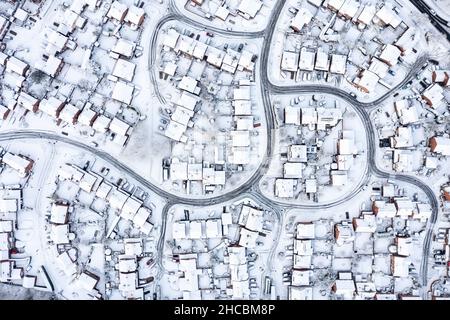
x=301 y=19
x=404 y=246
x=120 y=127
x=140 y=218
x=367 y=14
x=378 y=67
x=195 y=229
x=349 y=9
x=87 y=116
x=300 y=293
x=51 y=66
x=433 y=95
x=440 y=145
x=87 y=281
x=335 y=4
x=51 y=106
x=322 y=62
x=6 y=225
x=289 y=61
x=338 y=177
x=251 y=218
x=306 y=61
x=423 y=211
x=305 y=231
x=127 y=281
x=247 y=238
x=56 y=41
x=117 y=199
x=344 y=287
x=171 y=38
x=124 y=47
x=60 y=233
x=117 y=11
x=242 y=93
x=388 y=17
x=242 y=107
x=297 y=153
x=338 y=63
x=101 y=123
x=367 y=81
x=399 y=266
x=27 y=101
x=21 y=14
x=189 y=84
x=390 y=54
x=130 y=208
x=222 y=13
x=8 y=205
x=179 y=230
x=230 y=62
x=186 y=100
x=245 y=60
x=123 y=92
x=239 y=155
x=293 y=170
x=199 y=50
x=178 y=170
x=58 y=213
x=182 y=115
x=213 y=177
x=176 y=131
x=170 y=68
x=303 y=247
x=366 y=223
x=215 y=56
x=69 y=113
x=19 y=163
x=133 y=246
x=135 y=15
x=15 y=65
x=284 y=188
x=249 y=8
x=195 y=171
x=240 y=138
x=213 y=228
x=87 y=182
x=103 y=190
x=127 y=263
x=405 y=113
x=301 y=277
x=124 y=69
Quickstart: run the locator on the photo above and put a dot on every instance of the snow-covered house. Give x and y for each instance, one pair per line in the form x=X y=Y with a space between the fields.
x=19 y=163
x=117 y=11
x=52 y=106
x=433 y=95
x=301 y=19
x=87 y=116
x=440 y=145
x=28 y=102
x=249 y=8
x=135 y=16
x=390 y=54
x=15 y=65
x=69 y=114
x=51 y=66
